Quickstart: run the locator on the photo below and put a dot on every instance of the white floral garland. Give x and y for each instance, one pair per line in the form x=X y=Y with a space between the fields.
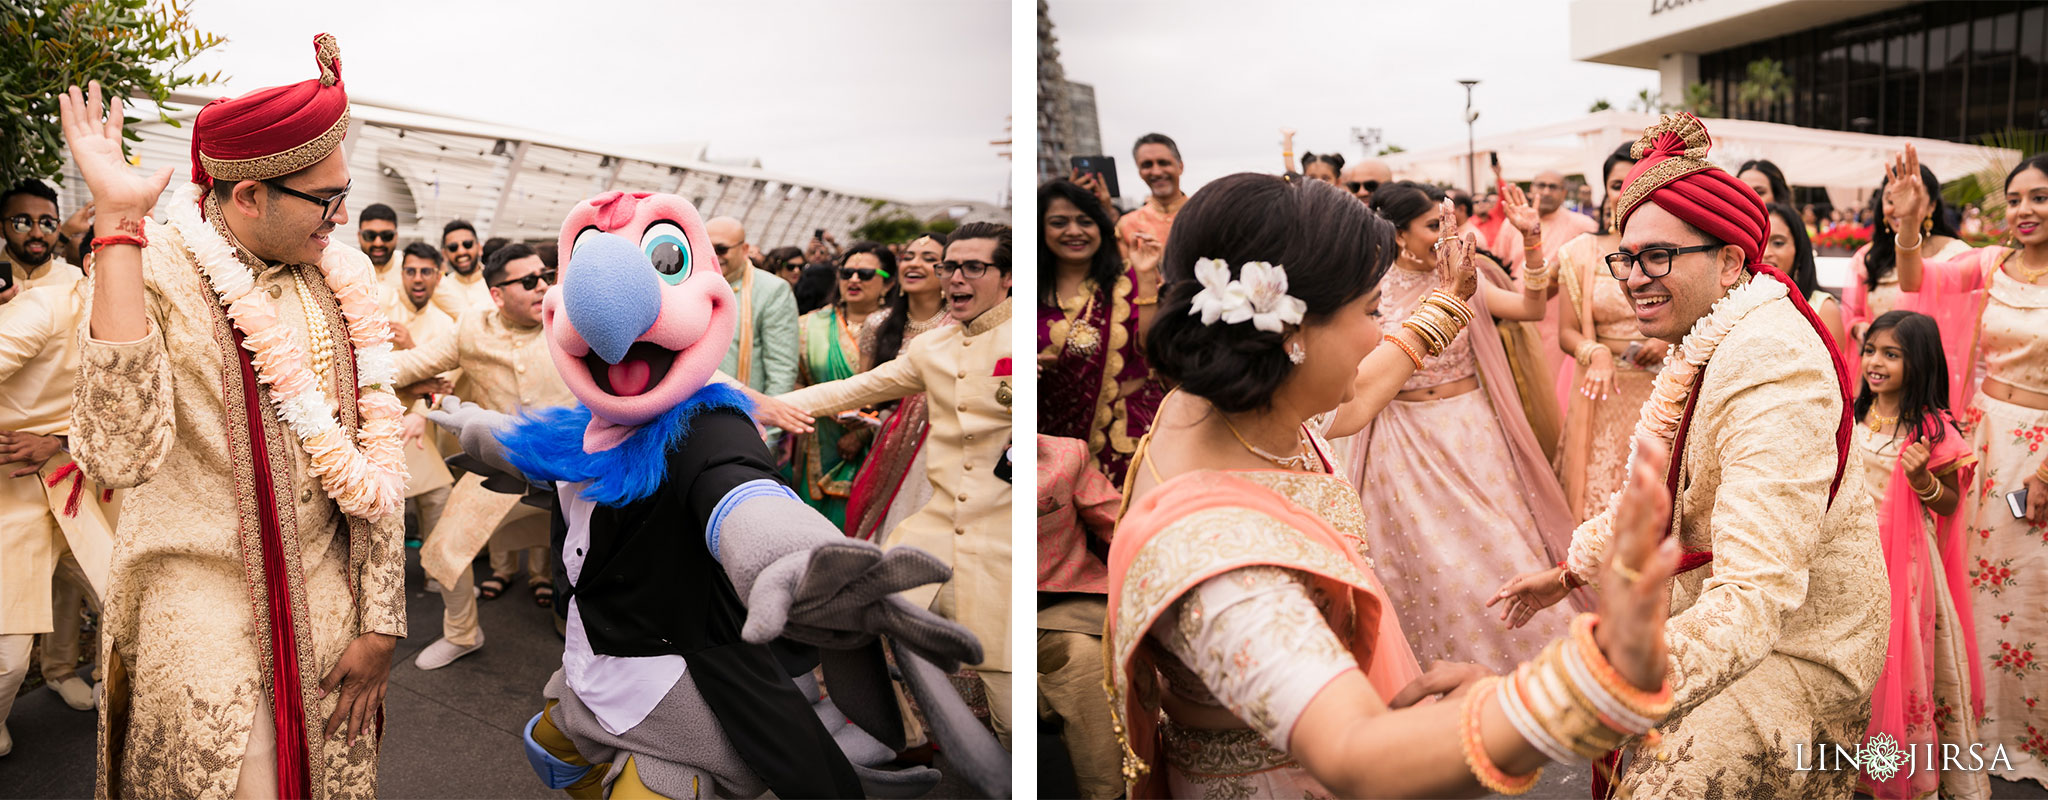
x=367 y=481
x=1666 y=405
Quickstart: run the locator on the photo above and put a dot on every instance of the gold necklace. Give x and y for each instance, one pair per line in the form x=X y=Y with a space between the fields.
x=1082 y=337
x=1302 y=461
x=1878 y=422
x=2027 y=274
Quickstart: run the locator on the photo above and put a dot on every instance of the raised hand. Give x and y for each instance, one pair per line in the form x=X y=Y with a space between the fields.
x=1145 y=252
x=93 y=131
x=1914 y=458
x=1519 y=212
x=1456 y=273
x=1905 y=192
x=1634 y=599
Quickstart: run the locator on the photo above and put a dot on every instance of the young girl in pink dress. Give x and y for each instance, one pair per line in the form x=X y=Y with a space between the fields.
x=1917 y=467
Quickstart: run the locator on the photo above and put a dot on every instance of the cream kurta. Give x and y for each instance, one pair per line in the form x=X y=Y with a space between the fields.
x=55 y=271
x=458 y=294
x=185 y=607
x=428 y=326
x=1777 y=643
x=967 y=522
x=504 y=368
x=38 y=369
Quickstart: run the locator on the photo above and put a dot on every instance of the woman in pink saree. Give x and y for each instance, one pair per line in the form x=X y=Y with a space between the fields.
x=1992 y=306
x=1252 y=650
x=1461 y=495
x=1916 y=465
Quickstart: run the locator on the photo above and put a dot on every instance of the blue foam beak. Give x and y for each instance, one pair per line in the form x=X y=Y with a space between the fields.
x=611 y=294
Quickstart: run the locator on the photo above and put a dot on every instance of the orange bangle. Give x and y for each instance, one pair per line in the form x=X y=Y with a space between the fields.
x=1483 y=768
x=1412 y=357
x=1654 y=705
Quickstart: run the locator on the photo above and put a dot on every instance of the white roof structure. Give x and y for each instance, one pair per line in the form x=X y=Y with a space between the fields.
x=520 y=184
x=1848 y=165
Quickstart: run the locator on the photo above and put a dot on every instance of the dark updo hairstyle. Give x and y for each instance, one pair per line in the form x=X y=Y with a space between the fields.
x=1334 y=250
x=1621 y=155
x=1804 y=274
x=1108 y=264
x=1923 y=390
x=1334 y=160
x=1781 y=191
x=1883 y=255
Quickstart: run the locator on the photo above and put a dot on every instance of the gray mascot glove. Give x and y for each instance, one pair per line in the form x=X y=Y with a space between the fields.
x=803 y=579
x=477 y=429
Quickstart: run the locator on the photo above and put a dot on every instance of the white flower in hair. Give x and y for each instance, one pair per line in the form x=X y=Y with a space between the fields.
x=1220 y=297
x=1272 y=308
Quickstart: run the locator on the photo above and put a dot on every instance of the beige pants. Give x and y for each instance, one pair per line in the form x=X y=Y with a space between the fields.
x=258 y=780
x=1070 y=690
x=523 y=531
x=458 y=611
x=70 y=595
x=995 y=683
x=14 y=649
x=427 y=507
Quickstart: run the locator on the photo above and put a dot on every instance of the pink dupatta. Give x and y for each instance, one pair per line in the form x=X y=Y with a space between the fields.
x=1954 y=292
x=1902 y=705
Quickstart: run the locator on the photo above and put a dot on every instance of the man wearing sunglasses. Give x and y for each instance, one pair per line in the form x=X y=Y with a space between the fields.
x=29 y=222
x=964 y=371
x=465 y=287
x=425 y=324
x=377 y=232
x=1365 y=177
x=764 y=352
x=506 y=368
x=225 y=503
x=1783 y=637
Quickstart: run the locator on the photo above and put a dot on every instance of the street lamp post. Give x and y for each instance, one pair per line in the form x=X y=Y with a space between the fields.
x=1471 y=160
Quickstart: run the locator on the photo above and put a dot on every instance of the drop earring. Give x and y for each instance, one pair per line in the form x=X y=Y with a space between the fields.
x=1295 y=352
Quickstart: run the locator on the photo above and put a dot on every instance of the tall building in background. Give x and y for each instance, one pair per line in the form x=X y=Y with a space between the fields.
x=1942 y=70
x=1067 y=124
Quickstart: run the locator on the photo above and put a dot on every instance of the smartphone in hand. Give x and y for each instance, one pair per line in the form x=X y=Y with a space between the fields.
x=1104 y=168
x=2017 y=503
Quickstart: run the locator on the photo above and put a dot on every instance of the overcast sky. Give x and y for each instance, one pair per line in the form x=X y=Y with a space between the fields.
x=1222 y=78
x=899 y=98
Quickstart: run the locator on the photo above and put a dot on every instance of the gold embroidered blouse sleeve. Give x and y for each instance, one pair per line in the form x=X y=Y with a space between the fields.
x=380 y=603
x=426 y=359
x=900 y=377
x=122 y=423
x=1259 y=644
x=1764 y=419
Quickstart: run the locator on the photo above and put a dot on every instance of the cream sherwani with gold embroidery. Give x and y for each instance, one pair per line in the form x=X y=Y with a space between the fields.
x=186 y=606
x=1775 y=644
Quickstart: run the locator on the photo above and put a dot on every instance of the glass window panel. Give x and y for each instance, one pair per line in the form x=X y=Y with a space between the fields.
x=2005 y=30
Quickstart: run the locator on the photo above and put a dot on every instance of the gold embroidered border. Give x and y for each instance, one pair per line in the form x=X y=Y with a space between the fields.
x=1656 y=177
x=278 y=164
x=1213 y=754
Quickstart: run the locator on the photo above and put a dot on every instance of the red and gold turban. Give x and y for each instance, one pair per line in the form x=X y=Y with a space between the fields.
x=1672 y=171
x=275 y=131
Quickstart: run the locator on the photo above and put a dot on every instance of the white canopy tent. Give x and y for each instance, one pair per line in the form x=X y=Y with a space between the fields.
x=1848 y=165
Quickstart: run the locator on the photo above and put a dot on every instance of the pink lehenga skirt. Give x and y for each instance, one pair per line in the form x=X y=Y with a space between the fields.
x=1449 y=524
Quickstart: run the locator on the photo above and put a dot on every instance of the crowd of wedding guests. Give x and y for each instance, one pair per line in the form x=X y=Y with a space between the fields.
x=1471 y=472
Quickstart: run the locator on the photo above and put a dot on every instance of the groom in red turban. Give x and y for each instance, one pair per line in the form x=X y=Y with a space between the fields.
x=1779 y=619
x=231 y=379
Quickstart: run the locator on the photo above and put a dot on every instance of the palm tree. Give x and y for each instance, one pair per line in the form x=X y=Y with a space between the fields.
x=1766 y=86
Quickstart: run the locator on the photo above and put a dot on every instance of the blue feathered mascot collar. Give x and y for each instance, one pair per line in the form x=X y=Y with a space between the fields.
x=548 y=445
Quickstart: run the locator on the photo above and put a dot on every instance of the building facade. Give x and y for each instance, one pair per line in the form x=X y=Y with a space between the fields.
x=1956 y=71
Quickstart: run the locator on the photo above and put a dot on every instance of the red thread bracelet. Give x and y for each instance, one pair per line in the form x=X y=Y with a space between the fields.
x=119 y=238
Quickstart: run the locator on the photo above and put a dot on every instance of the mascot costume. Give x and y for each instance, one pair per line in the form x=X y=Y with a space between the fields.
x=700 y=591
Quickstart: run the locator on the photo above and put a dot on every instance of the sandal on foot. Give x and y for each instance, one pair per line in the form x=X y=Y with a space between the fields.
x=543 y=593
x=489 y=588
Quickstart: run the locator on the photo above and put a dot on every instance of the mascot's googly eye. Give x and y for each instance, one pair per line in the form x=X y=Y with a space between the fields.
x=583 y=236
x=669 y=250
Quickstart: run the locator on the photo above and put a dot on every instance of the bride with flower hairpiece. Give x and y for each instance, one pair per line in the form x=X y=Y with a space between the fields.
x=1252 y=650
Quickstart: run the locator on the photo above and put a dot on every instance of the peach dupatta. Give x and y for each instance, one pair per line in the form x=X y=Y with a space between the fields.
x=1576 y=451
x=1168 y=543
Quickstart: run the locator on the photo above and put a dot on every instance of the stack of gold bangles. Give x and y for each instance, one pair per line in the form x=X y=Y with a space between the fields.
x=1584 y=354
x=1569 y=703
x=1928 y=495
x=2041 y=474
x=1438 y=320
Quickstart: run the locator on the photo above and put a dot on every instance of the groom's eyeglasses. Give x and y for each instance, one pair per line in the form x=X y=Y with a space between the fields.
x=328 y=205
x=1656 y=261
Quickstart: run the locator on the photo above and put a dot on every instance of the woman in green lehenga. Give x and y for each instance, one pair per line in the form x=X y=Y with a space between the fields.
x=824 y=463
